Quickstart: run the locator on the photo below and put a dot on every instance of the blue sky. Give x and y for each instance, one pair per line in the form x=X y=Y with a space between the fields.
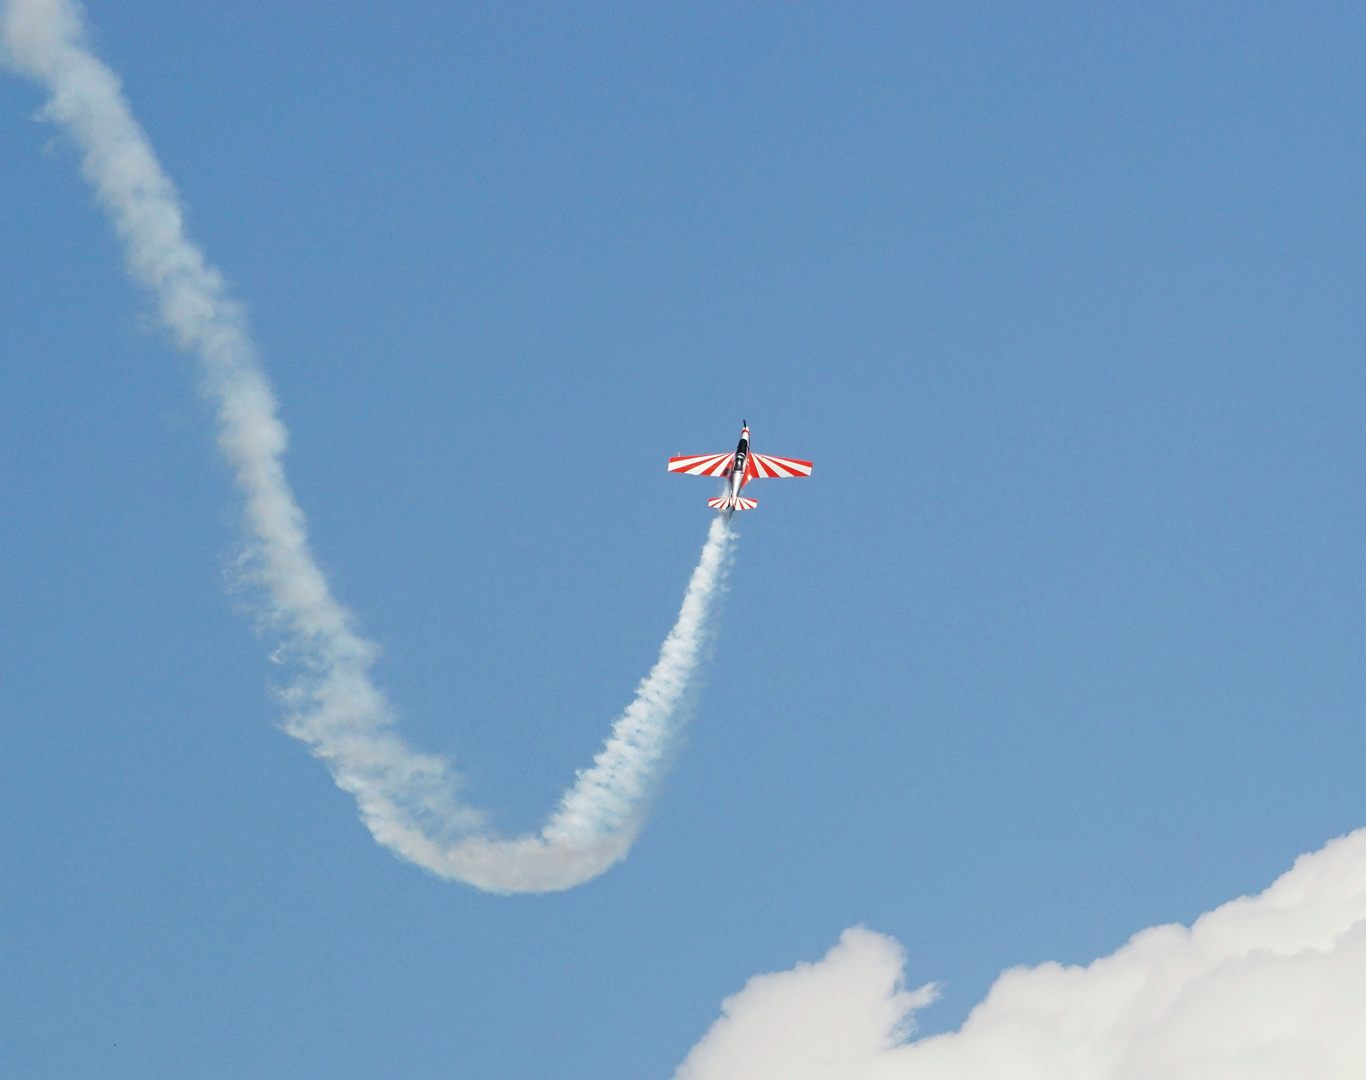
x=1061 y=641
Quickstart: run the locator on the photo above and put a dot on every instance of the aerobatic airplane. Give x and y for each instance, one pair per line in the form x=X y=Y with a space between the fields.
x=740 y=468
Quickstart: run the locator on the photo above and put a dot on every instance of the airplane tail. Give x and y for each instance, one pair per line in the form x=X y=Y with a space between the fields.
x=726 y=502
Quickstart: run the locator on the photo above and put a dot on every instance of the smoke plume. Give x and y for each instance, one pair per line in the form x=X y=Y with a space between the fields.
x=407 y=799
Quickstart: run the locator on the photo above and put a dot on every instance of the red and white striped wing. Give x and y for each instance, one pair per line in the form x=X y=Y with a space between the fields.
x=706 y=465
x=768 y=467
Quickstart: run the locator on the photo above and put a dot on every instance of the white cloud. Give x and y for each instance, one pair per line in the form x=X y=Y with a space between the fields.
x=833 y=1018
x=1271 y=987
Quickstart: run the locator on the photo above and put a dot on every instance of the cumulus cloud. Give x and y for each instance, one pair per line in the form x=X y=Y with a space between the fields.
x=1270 y=987
x=833 y=1018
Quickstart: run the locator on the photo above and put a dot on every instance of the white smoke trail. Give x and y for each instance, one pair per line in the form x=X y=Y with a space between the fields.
x=406 y=799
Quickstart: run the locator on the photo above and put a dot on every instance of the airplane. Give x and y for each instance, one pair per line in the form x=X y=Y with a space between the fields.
x=740 y=468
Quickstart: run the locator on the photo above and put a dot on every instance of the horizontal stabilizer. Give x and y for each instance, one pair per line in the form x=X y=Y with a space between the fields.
x=725 y=502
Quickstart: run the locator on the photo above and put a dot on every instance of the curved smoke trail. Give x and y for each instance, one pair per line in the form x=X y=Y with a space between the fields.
x=406 y=799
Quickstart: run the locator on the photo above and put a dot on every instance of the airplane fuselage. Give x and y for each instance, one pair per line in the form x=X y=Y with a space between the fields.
x=739 y=464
